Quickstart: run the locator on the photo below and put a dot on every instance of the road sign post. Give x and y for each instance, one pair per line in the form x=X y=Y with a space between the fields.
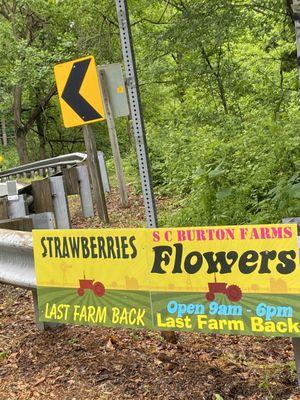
x=113 y=139
x=136 y=112
x=138 y=122
x=94 y=170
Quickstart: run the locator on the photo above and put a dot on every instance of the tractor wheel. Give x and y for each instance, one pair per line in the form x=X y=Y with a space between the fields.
x=210 y=296
x=234 y=293
x=99 y=289
x=80 y=291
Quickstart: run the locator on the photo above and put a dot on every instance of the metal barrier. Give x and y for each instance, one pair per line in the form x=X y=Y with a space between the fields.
x=67 y=175
x=16 y=259
x=65 y=160
x=17 y=265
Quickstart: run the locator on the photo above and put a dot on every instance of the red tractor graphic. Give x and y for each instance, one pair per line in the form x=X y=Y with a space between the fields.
x=233 y=292
x=88 y=284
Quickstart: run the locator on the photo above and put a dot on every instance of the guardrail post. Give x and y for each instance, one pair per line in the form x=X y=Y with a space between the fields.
x=103 y=171
x=17 y=208
x=44 y=220
x=40 y=325
x=60 y=202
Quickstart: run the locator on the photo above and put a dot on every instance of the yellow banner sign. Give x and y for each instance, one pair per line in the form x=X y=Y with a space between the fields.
x=259 y=259
x=235 y=279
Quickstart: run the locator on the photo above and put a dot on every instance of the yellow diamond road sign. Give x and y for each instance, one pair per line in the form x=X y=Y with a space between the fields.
x=79 y=92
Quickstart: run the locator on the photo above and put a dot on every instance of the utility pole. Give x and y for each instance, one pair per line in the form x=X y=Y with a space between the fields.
x=296 y=16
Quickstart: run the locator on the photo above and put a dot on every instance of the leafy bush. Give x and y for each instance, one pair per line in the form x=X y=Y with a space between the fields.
x=8 y=157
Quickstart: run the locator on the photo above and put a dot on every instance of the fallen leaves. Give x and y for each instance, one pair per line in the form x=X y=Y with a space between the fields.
x=39 y=381
x=82 y=362
x=76 y=362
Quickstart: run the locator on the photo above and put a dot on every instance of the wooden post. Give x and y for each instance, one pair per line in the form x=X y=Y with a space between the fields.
x=71 y=181
x=17 y=224
x=86 y=197
x=42 y=196
x=113 y=139
x=3 y=208
x=94 y=171
x=49 y=196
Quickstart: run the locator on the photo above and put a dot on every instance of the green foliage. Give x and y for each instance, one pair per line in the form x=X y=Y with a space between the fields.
x=218 y=397
x=34 y=36
x=220 y=95
x=223 y=132
x=3 y=355
x=8 y=157
x=246 y=176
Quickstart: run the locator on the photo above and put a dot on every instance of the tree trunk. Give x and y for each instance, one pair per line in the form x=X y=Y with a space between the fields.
x=21 y=147
x=42 y=148
x=20 y=134
x=4 y=133
x=41 y=133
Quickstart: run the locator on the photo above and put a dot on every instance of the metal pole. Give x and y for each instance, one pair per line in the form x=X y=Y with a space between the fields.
x=136 y=112
x=138 y=123
x=295 y=340
x=296 y=15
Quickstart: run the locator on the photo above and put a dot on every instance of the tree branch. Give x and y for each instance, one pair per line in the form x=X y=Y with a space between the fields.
x=106 y=18
x=40 y=108
x=5 y=11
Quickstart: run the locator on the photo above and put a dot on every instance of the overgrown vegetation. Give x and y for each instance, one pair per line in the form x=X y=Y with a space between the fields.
x=220 y=92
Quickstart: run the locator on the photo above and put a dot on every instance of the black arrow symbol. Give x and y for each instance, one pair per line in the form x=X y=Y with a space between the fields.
x=71 y=93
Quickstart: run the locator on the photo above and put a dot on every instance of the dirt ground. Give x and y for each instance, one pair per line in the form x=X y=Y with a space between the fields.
x=75 y=362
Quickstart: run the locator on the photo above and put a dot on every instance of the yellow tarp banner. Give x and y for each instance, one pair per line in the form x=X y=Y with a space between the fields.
x=257 y=259
x=233 y=280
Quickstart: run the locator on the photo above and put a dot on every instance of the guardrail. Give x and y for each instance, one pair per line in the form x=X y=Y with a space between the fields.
x=65 y=160
x=17 y=265
x=16 y=259
x=66 y=175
